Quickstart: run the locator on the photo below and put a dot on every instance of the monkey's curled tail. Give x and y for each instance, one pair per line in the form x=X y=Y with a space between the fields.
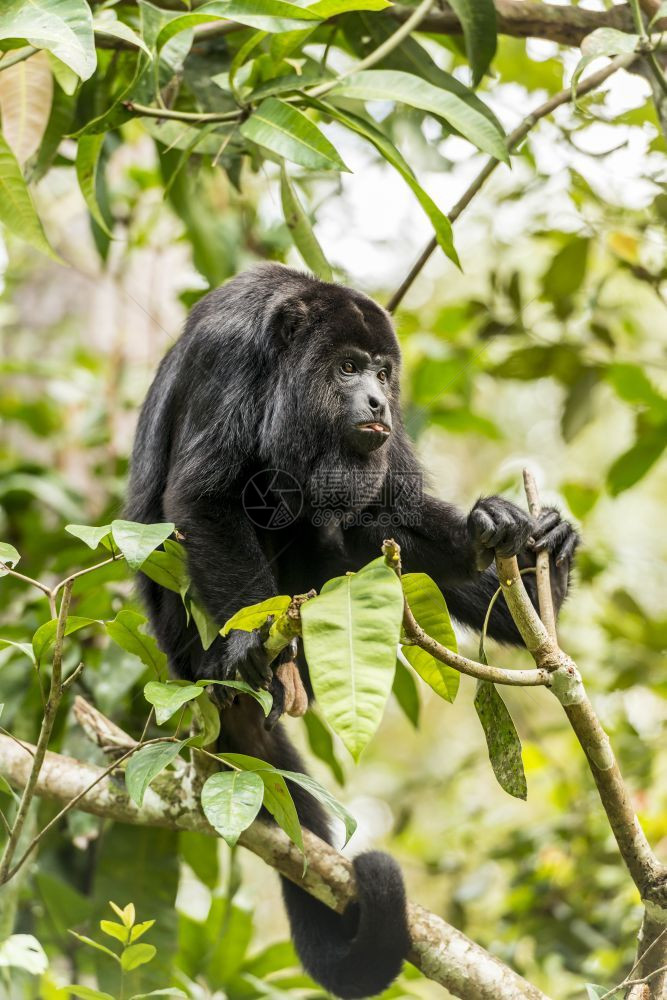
x=357 y=953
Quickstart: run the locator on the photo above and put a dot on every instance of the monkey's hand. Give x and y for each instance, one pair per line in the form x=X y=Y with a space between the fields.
x=244 y=656
x=498 y=525
x=555 y=536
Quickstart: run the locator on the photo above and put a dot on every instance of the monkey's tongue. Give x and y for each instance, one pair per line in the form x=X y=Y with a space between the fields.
x=375 y=427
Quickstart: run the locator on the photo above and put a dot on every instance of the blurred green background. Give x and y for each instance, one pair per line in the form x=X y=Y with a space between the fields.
x=548 y=350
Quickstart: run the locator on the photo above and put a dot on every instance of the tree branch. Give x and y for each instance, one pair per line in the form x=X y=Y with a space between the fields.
x=439 y=950
x=513 y=140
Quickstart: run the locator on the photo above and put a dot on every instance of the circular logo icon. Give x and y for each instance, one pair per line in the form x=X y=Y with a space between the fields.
x=272 y=499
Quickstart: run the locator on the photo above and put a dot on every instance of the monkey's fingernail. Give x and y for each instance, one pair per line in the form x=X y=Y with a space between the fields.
x=531 y=541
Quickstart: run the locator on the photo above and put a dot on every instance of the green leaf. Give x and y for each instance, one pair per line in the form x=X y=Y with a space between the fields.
x=88 y=534
x=259 y=694
x=168 y=568
x=288 y=132
x=632 y=385
x=23 y=951
x=136 y=955
x=145 y=765
x=254 y=616
x=478 y=19
x=168 y=698
x=581 y=497
x=208 y=628
x=96 y=945
x=331 y=8
x=633 y=464
x=9 y=556
x=430 y=611
x=265 y=15
x=594 y=992
x=24 y=647
x=301 y=230
x=17 y=211
x=64 y=27
x=106 y=22
x=87 y=160
x=140 y=929
x=322 y=795
x=231 y=801
x=350 y=634
x=502 y=740
x=608 y=42
x=321 y=743
x=170 y=991
x=118 y=931
x=567 y=271
x=441 y=225
x=405 y=88
x=277 y=798
x=45 y=635
x=206 y=723
x=124 y=630
x=406 y=693
x=137 y=541
x=127 y=914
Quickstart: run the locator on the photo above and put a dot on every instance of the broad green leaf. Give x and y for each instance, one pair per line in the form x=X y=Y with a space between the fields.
x=430 y=611
x=442 y=227
x=136 y=955
x=87 y=160
x=208 y=628
x=405 y=88
x=231 y=801
x=59 y=124
x=502 y=740
x=608 y=42
x=406 y=692
x=168 y=568
x=331 y=8
x=289 y=133
x=659 y=14
x=88 y=534
x=254 y=616
x=118 y=931
x=145 y=765
x=45 y=635
x=24 y=647
x=136 y=541
x=581 y=497
x=633 y=464
x=124 y=630
x=298 y=223
x=259 y=694
x=168 y=698
x=350 y=634
x=205 y=722
x=5 y=787
x=326 y=798
x=265 y=15
x=567 y=271
x=17 y=211
x=321 y=743
x=64 y=27
x=26 y=92
x=594 y=992
x=9 y=556
x=632 y=385
x=107 y=23
x=277 y=798
x=478 y=19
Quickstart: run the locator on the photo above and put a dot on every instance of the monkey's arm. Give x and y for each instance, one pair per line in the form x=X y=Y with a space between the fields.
x=229 y=571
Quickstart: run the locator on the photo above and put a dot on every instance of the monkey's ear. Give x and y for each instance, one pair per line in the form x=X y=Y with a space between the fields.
x=290 y=319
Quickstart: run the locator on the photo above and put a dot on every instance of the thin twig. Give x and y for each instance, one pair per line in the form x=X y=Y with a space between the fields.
x=6 y=571
x=48 y=719
x=183 y=116
x=513 y=140
x=83 y=572
x=544 y=596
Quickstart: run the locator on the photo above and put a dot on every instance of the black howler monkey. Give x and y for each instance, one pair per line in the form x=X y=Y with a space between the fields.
x=277 y=370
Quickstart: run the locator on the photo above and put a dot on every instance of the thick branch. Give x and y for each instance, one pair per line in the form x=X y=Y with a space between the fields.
x=439 y=950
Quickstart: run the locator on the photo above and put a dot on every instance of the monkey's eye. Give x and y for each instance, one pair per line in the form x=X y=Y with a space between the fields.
x=383 y=375
x=348 y=368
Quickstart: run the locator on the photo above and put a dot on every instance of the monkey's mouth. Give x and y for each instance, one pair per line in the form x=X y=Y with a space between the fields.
x=374 y=427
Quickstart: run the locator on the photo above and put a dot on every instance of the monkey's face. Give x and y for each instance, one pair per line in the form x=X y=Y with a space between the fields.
x=363 y=384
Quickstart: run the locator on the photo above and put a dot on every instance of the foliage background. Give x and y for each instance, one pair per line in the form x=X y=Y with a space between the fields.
x=542 y=351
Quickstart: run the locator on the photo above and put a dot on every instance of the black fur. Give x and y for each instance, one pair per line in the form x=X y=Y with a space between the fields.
x=256 y=383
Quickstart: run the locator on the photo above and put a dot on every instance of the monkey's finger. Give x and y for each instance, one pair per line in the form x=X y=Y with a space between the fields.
x=567 y=549
x=547 y=520
x=554 y=538
x=278 y=707
x=483 y=524
x=483 y=558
